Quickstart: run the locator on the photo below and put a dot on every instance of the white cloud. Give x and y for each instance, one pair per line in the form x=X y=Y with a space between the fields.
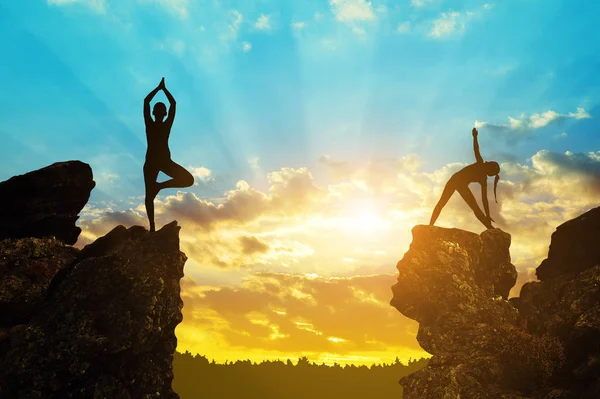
x=454 y=22
x=519 y=128
x=246 y=47
x=176 y=7
x=234 y=26
x=352 y=10
x=447 y=24
x=298 y=25
x=98 y=6
x=202 y=173
x=403 y=27
x=263 y=23
x=420 y=3
x=179 y=8
x=543 y=119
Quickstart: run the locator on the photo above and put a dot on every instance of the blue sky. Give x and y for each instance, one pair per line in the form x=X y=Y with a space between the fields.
x=319 y=134
x=289 y=82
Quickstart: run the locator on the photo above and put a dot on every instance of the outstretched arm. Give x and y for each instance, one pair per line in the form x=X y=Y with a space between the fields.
x=476 y=146
x=172 y=105
x=149 y=97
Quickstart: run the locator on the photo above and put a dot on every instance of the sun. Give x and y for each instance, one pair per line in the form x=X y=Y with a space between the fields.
x=363 y=217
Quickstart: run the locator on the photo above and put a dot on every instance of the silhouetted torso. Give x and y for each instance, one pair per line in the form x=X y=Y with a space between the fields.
x=474 y=173
x=157 y=135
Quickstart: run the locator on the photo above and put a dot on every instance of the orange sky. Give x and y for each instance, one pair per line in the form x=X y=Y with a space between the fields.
x=305 y=268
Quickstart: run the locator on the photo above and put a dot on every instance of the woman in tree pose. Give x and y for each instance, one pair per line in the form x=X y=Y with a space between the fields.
x=477 y=172
x=158 y=156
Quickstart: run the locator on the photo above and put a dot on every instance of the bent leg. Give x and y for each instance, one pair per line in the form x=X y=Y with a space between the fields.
x=446 y=194
x=467 y=195
x=150 y=175
x=180 y=177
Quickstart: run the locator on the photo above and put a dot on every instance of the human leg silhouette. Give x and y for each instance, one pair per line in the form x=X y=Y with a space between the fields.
x=467 y=195
x=150 y=175
x=180 y=177
x=446 y=194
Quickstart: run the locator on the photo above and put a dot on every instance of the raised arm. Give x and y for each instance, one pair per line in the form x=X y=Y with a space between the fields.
x=476 y=146
x=149 y=97
x=172 y=105
x=484 y=199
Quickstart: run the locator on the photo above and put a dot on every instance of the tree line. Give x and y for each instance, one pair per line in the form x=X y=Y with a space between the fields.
x=196 y=378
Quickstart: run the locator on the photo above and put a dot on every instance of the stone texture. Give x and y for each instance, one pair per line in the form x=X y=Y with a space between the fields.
x=45 y=202
x=106 y=326
x=454 y=283
x=27 y=266
x=566 y=304
x=574 y=246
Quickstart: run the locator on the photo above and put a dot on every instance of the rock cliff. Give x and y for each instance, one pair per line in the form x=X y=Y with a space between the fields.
x=566 y=305
x=92 y=323
x=455 y=284
x=45 y=202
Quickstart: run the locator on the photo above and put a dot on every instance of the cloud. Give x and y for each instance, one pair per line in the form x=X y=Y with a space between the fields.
x=234 y=26
x=178 y=8
x=201 y=173
x=449 y=23
x=98 y=6
x=263 y=23
x=252 y=245
x=523 y=127
x=403 y=27
x=246 y=47
x=420 y=3
x=298 y=25
x=361 y=211
x=352 y=10
x=304 y=314
x=452 y=22
x=292 y=191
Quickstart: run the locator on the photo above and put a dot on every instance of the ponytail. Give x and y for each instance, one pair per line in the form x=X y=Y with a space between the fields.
x=495 y=185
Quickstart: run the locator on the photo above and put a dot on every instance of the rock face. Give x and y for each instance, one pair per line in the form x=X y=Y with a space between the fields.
x=105 y=328
x=574 y=247
x=455 y=284
x=566 y=304
x=26 y=268
x=45 y=202
x=92 y=323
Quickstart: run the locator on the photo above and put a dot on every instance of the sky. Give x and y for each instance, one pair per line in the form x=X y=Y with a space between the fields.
x=319 y=132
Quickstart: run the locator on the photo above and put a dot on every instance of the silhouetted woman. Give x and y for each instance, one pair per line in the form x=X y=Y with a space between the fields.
x=158 y=156
x=474 y=173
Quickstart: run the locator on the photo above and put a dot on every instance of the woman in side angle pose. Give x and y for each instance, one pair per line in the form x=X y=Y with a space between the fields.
x=158 y=156
x=477 y=172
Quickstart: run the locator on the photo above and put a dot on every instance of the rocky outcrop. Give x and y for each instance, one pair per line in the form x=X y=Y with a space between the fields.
x=566 y=304
x=105 y=328
x=574 y=247
x=45 y=202
x=455 y=284
x=92 y=323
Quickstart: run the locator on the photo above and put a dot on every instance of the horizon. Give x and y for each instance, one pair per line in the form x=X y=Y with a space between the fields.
x=319 y=134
